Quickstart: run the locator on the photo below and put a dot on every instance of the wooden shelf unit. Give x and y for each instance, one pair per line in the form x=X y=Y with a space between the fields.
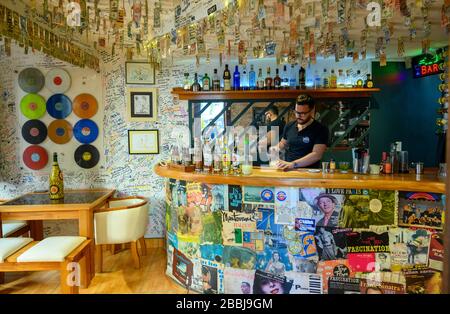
x=275 y=93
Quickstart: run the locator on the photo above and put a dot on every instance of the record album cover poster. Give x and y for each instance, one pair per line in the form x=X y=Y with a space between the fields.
x=286 y=205
x=331 y=243
x=420 y=209
x=238 y=281
x=376 y=287
x=212 y=228
x=212 y=252
x=408 y=247
x=219 y=198
x=336 y=268
x=343 y=285
x=267 y=283
x=234 y=198
x=239 y=257
x=276 y=261
x=303 y=283
x=259 y=195
x=182 y=268
x=326 y=205
x=436 y=254
x=236 y=225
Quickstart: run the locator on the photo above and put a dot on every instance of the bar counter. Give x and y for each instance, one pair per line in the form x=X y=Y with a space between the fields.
x=303 y=178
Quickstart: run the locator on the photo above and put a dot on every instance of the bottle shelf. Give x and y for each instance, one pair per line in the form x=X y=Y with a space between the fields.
x=274 y=94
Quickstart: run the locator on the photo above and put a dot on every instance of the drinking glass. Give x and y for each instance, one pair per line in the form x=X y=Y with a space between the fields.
x=344 y=166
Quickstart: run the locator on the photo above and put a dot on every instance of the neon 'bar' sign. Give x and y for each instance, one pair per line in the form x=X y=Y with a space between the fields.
x=425 y=65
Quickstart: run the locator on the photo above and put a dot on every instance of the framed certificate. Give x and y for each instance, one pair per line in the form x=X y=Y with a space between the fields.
x=140 y=73
x=142 y=142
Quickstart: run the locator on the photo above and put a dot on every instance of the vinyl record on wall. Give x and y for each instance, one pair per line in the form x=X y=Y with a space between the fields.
x=60 y=131
x=87 y=156
x=34 y=131
x=85 y=131
x=31 y=80
x=59 y=106
x=85 y=106
x=57 y=81
x=35 y=157
x=32 y=106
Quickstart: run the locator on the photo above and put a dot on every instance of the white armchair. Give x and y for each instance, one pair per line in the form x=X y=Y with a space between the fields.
x=123 y=221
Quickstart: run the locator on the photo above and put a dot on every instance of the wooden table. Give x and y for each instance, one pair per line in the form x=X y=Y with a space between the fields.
x=77 y=205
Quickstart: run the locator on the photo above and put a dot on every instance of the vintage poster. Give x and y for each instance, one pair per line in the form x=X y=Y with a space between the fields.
x=238 y=281
x=365 y=208
x=259 y=195
x=420 y=209
x=303 y=283
x=408 y=247
x=367 y=242
x=236 y=226
x=343 y=285
x=326 y=204
x=182 y=268
x=305 y=224
x=212 y=252
x=383 y=276
x=276 y=261
x=423 y=281
x=239 y=257
x=212 y=227
x=300 y=244
x=286 y=205
x=179 y=197
x=273 y=237
x=189 y=222
x=188 y=248
x=368 y=286
x=219 y=198
x=436 y=253
x=234 y=198
x=171 y=206
x=336 y=268
x=212 y=277
x=304 y=265
x=361 y=262
x=331 y=243
x=199 y=195
x=267 y=283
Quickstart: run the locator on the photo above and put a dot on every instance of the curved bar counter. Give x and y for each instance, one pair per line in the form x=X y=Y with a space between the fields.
x=236 y=234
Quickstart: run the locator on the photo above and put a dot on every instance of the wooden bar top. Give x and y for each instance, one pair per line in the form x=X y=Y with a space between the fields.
x=304 y=178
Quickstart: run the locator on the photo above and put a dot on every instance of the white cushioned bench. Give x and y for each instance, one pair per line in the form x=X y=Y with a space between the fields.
x=14 y=228
x=52 y=253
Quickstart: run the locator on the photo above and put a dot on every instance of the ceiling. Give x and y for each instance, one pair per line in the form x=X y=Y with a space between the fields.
x=102 y=34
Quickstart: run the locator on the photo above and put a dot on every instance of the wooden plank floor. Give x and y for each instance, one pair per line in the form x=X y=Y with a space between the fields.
x=119 y=276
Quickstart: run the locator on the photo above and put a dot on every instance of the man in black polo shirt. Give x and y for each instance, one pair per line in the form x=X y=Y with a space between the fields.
x=275 y=127
x=305 y=140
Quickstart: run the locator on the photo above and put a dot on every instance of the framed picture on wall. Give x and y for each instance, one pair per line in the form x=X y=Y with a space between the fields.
x=140 y=73
x=142 y=104
x=142 y=142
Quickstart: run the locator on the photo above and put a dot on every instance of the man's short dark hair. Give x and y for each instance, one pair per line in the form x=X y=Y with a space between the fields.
x=273 y=109
x=305 y=100
x=245 y=283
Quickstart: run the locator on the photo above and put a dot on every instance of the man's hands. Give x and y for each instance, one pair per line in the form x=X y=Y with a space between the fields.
x=285 y=165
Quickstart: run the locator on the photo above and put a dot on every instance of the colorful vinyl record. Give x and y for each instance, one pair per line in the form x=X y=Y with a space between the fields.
x=57 y=81
x=87 y=156
x=85 y=106
x=32 y=106
x=35 y=157
x=31 y=80
x=85 y=131
x=60 y=131
x=59 y=106
x=34 y=131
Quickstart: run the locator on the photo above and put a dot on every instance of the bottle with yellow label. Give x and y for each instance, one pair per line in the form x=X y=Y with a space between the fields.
x=56 y=188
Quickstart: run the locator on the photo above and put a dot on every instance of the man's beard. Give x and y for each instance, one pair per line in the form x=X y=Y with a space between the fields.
x=303 y=122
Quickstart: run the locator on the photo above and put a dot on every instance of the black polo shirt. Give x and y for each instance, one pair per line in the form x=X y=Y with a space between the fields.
x=301 y=143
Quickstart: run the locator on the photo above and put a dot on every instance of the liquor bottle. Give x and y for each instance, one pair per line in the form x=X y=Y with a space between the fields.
x=383 y=162
x=442 y=110
x=333 y=79
x=442 y=100
x=293 y=78
x=268 y=83
x=316 y=80
x=341 y=79
x=56 y=186
x=388 y=165
x=216 y=81
x=207 y=157
x=206 y=83
x=277 y=80
x=186 y=82
x=226 y=78
x=260 y=79
x=236 y=79
x=348 y=79
x=176 y=155
x=359 y=81
x=252 y=78
x=332 y=165
x=244 y=79
x=368 y=83
x=217 y=157
x=225 y=157
x=302 y=77
x=443 y=88
x=196 y=86
x=325 y=79
x=285 y=78
x=235 y=159
x=198 y=160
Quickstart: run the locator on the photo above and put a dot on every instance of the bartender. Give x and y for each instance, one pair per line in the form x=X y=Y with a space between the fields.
x=304 y=140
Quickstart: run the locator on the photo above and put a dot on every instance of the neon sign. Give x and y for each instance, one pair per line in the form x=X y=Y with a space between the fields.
x=425 y=65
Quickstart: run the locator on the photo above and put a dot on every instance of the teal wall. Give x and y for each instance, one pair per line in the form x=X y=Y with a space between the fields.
x=406 y=111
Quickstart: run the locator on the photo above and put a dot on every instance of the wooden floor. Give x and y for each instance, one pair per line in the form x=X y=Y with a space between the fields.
x=119 y=276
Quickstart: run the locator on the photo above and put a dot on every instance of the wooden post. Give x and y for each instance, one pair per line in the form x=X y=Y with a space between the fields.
x=446 y=274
